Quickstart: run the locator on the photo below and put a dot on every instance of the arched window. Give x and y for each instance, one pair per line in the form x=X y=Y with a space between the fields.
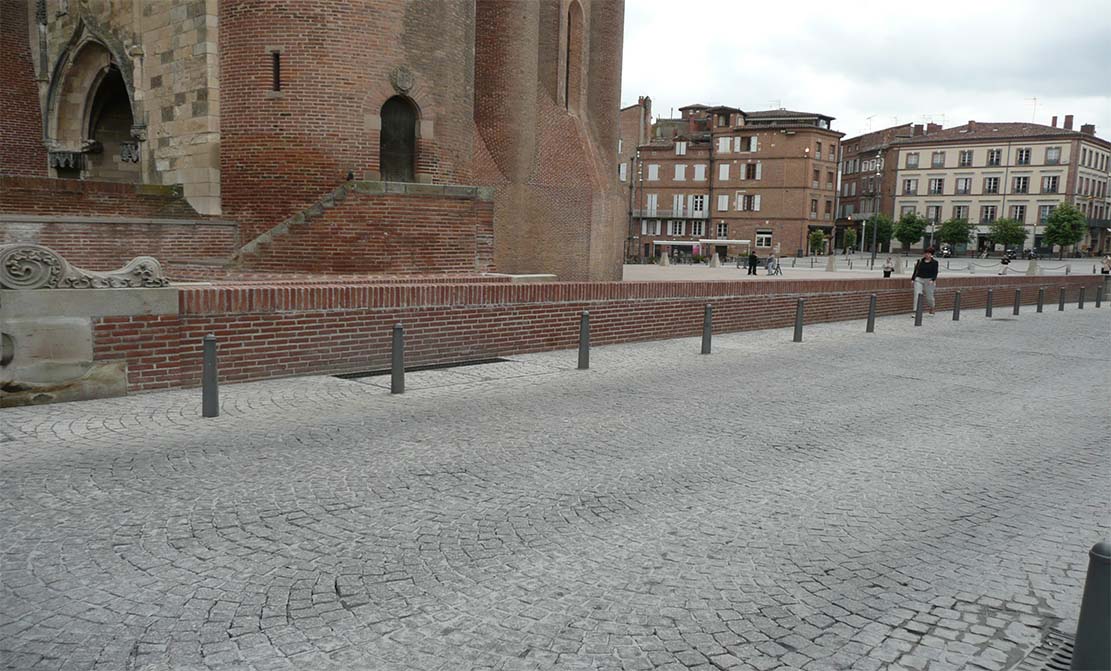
x=397 y=149
x=115 y=155
x=572 y=81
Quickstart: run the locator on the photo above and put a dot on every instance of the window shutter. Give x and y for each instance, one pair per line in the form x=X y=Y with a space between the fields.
x=623 y=171
x=682 y=228
x=723 y=203
x=723 y=145
x=723 y=171
x=753 y=143
x=644 y=227
x=737 y=144
x=759 y=170
x=739 y=205
x=756 y=203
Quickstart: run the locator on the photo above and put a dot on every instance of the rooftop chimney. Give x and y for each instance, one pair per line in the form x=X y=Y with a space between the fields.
x=1088 y=129
x=971 y=124
x=932 y=128
x=1068 y=122
x=917 y=129
x=1054 y=122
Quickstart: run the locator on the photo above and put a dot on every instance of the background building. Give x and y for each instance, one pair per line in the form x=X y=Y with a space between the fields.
x=980 y=172
x=986 y=171
x=719 y=173
x=252 y=117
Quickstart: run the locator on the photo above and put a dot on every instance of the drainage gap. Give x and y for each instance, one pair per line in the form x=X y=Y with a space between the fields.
x=1054 y=653
x=411 y=369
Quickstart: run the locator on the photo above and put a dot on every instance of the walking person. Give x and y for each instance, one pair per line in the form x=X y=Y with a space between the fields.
x=888 y=267
x=752 y=263
x=1105 y=269
x=925 y=278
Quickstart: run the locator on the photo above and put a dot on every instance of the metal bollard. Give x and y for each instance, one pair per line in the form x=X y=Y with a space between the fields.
x=798 y=319
x=1099 y=295
x=210 y=391
x=811 y=261
x=397 y=360
x=1080 y=299
x=987 y=313
x=918 y=310
x=707 y=327
x=871 y=327
x=1061 y=301
x=947 y=265
x=957 y=306
x=1091 y=651
x=1018 y=300
x=584 y=341
x=1041 y=298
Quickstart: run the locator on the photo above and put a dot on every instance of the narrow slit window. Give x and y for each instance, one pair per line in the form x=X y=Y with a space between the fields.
x=276 y=68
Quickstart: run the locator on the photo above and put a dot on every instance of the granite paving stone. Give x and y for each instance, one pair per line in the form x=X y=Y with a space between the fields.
x=917 y=498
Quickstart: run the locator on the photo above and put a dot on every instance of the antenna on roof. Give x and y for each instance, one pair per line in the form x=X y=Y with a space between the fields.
x=869 y=119
x=1034 y=114
x=775 y=104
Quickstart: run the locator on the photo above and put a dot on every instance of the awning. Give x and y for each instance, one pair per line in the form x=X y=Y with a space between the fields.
x=725 y=242
x=676 y=243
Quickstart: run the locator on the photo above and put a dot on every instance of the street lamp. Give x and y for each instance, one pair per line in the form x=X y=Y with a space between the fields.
x=876 y=210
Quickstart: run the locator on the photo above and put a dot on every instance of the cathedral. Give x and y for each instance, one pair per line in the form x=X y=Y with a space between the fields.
x=354 y=136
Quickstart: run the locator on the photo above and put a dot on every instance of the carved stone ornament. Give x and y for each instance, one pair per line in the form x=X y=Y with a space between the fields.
x=36 y=267
x=402 y=79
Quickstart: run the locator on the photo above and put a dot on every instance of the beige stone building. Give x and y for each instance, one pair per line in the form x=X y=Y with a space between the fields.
x=986 y=171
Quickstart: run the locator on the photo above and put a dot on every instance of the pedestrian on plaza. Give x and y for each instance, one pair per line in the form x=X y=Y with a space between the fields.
x=888 y=267
x=1006 y=262
x=1106 y=269
x=925 y=278
x=772 y=264
x=752 y=263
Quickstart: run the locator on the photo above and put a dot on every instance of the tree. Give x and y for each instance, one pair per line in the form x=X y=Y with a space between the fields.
x=909 y=229
x=817 y=240
x=955 y=232
x=1065 y=226
x=849 y=239
x=884 y=228
x=1007 y=232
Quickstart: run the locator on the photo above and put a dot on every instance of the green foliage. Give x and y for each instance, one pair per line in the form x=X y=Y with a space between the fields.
x=817 y=241
x=1007 y=232
x=1065 y=226
x=884 y=226
x=909 y=229
x=955 y=232
x=849 y=239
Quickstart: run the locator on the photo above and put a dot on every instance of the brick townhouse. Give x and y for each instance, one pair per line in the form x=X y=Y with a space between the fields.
x=981 y=171
x=722 y=180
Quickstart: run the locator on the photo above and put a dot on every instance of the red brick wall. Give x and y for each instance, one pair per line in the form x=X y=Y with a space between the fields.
x=268 y=332
x=281 y=151
x=387 y=234
x=42 y=195
x=21 y=148
x=107 y=246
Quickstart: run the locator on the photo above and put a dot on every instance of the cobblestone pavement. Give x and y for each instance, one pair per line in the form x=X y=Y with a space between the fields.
x=765 y=507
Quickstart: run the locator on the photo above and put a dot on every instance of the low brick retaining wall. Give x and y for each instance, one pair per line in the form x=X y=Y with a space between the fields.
x=274 y=331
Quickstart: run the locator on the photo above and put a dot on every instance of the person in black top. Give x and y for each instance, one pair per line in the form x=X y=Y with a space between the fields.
x=752 y=262
x=925 y=277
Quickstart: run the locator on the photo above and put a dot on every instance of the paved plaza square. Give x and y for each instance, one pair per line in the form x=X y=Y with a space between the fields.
x=919 y=498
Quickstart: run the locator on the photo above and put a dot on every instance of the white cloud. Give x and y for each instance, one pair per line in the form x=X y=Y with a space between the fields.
x=875 y=63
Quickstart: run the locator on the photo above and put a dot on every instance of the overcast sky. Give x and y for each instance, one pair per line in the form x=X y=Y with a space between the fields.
x=875 y=63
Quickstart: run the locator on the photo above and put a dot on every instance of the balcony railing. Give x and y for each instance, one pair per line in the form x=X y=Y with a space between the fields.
x=682 y=213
